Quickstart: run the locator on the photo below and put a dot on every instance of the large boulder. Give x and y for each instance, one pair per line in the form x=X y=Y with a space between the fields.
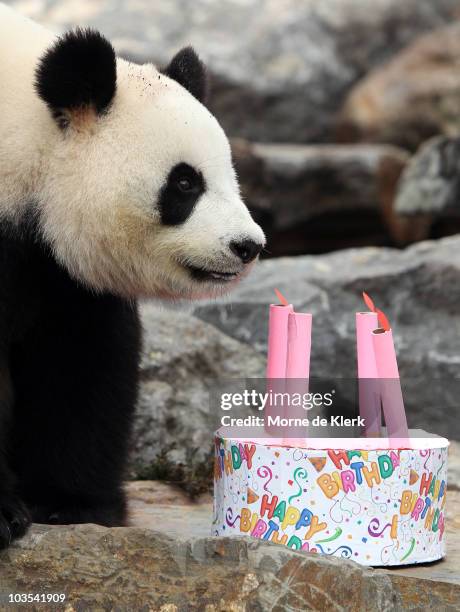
x=280 y=69
x=184 y=360
x=167 y=562
x=136 y=569
x=428 y=193
x=414 y=96
x=431 y=182
x=289 y=185
x=419 y=290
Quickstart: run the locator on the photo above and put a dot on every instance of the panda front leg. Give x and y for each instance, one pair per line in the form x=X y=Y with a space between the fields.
x=14 y=516
x=77 y=386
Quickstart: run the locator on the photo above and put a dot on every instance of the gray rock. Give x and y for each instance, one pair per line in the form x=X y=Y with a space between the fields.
x=418 y=288
x=183 y=364
x=281 y=69
x=297 y=183
x=430 y=184
x=412 y=97
x=453 y=477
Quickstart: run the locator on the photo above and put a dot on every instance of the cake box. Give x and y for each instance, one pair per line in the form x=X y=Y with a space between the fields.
x=366 y=501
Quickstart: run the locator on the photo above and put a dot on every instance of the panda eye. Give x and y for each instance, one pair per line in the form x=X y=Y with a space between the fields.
x=184 y=184
x=179 y=194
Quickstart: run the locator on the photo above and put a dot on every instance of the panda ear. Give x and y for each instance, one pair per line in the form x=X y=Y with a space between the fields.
x=78 y=73
x=189 y=71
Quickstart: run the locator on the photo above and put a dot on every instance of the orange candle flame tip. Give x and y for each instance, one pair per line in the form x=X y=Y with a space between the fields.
x=281 y=298
x=383 y=320
x=369 y=303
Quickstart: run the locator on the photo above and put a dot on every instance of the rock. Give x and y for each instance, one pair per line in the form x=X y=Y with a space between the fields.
x=453 y=477
x=295 y=184
x=183 y=361
x=280 y=69
x=419 y=290
x=146 y=494
x=165 y=562
x=166 y=509
x=414 y=96
x=431 y=181
x=137 y=569
x=429 y=189
x=428 y=192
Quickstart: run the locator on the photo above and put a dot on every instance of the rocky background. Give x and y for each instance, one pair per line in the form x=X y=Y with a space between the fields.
x=187 y=355
x=326 y=102
x=345 y=126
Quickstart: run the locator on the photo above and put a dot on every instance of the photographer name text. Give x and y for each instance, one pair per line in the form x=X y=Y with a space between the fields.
x=278 y=421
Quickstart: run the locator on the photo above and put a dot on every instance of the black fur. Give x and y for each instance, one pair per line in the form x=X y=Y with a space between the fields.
x=176 y=204
x=68 y=373
x=187 y=69
x=78 y=71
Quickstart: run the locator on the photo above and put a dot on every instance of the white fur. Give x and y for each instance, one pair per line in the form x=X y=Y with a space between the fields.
x=96 y=184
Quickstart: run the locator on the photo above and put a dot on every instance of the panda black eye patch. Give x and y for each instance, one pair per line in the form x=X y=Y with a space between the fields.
x=180 y=193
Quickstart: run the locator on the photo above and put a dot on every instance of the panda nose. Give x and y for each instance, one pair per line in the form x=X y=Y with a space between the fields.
x=247 y=250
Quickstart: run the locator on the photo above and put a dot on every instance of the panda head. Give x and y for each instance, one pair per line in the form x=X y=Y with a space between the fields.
x=138 y=194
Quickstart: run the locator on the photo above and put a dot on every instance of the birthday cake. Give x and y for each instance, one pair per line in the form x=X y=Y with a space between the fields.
x=377 y=497
x=377 y=506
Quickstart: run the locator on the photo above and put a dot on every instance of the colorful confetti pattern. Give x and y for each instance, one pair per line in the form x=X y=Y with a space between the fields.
x=377 y=507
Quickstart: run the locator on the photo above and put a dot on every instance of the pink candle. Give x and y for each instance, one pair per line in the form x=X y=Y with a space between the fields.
x=276 y=357
x=297 y=369
x=369 y=395
x=299 y=345
x=366 y=323
x=277 y=340
x=390 y=386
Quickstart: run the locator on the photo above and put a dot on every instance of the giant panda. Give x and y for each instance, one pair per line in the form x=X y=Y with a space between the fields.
x=116 y=183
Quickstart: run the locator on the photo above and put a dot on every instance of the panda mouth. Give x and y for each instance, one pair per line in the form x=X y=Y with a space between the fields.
x=215 y=276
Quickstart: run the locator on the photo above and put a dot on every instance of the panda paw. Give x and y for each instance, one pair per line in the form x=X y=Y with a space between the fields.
x=113 y=515
x=14 y=520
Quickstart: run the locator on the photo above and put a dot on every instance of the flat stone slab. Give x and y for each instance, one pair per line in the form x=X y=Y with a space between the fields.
x=161 y=508
x=165 y=561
